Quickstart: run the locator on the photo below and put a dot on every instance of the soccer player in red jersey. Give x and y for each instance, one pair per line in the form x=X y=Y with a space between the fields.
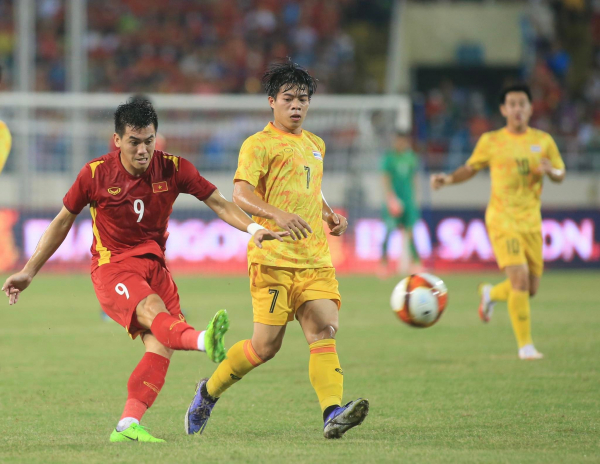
x=131 y=192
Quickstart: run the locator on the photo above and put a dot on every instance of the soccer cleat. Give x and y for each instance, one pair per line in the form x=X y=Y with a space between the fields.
x=344 y=418
x=528 y=352
x=199 y=411
x=214 y=336
x=486 y=305
x=134 y=432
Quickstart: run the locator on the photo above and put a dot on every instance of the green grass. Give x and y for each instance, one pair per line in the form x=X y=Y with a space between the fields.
x=453 y=393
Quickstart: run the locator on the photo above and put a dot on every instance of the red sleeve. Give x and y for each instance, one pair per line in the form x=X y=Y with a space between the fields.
x=190 y=181
x=79 y=195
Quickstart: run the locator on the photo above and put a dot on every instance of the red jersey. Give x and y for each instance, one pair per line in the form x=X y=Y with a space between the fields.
x=130 y=214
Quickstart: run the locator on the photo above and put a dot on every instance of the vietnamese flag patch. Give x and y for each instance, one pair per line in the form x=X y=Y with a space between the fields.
x=158 y=187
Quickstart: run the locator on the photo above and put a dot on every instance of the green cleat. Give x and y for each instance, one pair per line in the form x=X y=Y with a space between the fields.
x=134 y=432
x=215 y=333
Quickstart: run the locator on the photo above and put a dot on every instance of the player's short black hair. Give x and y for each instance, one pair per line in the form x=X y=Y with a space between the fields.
x=137 y=113
x=288 y=74
x=515 y=88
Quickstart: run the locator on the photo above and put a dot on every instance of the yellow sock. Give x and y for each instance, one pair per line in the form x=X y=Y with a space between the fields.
x=501 y=291
x=518 y=309
x=326 y=375
x=241 y=359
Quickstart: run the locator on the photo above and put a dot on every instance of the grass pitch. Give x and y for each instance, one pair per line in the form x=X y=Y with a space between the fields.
x=455 y=392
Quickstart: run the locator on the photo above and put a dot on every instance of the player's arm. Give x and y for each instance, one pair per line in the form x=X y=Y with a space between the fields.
x=336 y=222
x=235 y=217
x=479 y=159
x=52 y=238
x=462 y=174
x=552 y=165
x=245 y=198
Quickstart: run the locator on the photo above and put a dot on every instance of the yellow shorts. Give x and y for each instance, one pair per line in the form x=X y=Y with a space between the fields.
x=278 y=292
x=514 y=248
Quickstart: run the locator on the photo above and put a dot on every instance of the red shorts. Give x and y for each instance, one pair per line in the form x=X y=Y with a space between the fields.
x=121 y=286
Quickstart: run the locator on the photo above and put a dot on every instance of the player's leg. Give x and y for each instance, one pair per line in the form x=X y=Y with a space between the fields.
x=390 y=227
x=241 y=358
x=532 y=244
x=519 y=310
x=143 y=387
x=210 y=340
x=127 y=297
x=509 y=251
x=318 y=301
x=319 y=321
x=534 y=284
x=269 y=288
x=409 y=259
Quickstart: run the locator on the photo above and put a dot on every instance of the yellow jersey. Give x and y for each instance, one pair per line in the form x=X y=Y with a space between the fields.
x=516 y=187
x=286 y=171
x=5 y=144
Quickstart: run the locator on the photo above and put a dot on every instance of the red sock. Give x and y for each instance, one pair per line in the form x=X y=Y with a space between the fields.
x=174 y=333
x=144 y=384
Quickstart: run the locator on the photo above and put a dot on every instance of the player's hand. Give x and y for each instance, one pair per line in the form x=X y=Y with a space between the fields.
x=395 y=206
x=294 y=224
x=545 y=167
x=337 y=224
x=438 y=181
x=266 y=234
x=15 y=284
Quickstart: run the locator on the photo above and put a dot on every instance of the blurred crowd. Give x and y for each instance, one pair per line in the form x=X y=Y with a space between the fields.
x=214 y=47
x=562 y=66
x=190 y=47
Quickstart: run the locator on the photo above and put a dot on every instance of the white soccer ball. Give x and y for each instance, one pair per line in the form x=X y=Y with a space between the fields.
x=420 y=299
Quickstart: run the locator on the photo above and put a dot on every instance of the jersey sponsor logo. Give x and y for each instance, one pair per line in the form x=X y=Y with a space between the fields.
x=536 y=149
x=339 y=370
x=317 y=155
x=114 y=190
x=158 y=187
x=152 y=387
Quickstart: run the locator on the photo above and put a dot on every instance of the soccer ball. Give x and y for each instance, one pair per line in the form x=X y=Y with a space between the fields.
x=420 y=299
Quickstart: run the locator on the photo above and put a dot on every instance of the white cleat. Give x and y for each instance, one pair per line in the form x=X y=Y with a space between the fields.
x=529 y=352
x=486 y=305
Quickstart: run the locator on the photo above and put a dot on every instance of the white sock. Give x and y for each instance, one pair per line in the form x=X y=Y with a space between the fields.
x=126 y=422
x=201 y=346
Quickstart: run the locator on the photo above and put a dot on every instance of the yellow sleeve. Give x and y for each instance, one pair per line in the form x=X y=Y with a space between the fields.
x=5 y=144
x=253 y=162
x=553 y=154
x=481 y=155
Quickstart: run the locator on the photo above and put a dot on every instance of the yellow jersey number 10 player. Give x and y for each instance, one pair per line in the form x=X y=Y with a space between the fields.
x=278 y=181
x=518 y=157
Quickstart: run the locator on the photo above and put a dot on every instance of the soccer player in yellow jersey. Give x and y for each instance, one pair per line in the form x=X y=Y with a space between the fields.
x=5 y=139
x=518 y=157
x=278 y=181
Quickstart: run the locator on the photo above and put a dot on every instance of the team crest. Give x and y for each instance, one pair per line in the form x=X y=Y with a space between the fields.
x=114 y=190
x=318 y=155
x=536 y=149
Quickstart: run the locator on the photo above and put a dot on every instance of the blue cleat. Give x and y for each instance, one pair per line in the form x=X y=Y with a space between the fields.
x=344 y=418
x=199 y=411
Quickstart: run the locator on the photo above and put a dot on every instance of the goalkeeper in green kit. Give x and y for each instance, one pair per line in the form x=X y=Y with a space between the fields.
x=399 y=167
